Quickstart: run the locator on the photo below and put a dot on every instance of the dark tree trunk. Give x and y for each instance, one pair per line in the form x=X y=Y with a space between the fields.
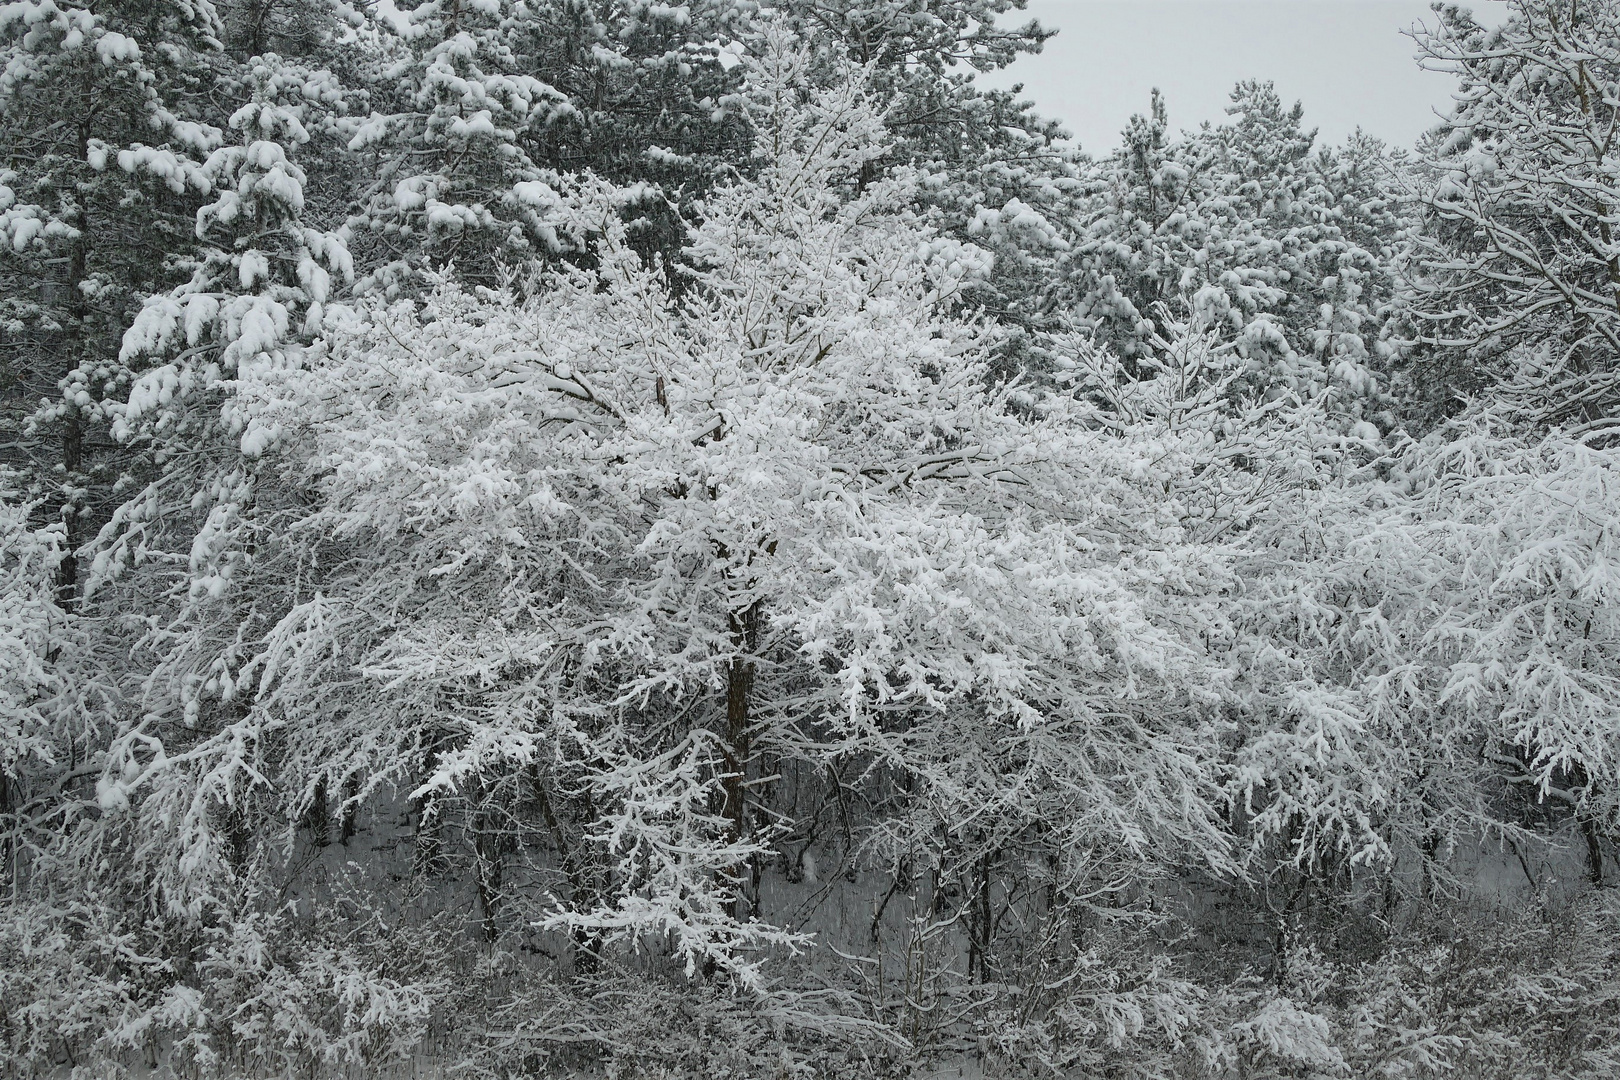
x=738 y=747
x=351 y=809
x=489 y=850
x=1594 y=850
x=67 y=571
x=318 y=817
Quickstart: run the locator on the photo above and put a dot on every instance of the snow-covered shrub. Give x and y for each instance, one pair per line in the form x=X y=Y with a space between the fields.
x=1114 y=1007
x=94 y=986
x=645 y=1028
x=1528 y=993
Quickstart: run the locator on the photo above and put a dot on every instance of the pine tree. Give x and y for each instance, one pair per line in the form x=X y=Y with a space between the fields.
x=1243 y=228
x=105 y=115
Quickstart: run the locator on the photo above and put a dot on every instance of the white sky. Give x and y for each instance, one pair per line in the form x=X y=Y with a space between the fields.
x=1346 y=60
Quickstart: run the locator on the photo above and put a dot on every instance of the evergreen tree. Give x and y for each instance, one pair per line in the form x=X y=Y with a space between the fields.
x=106 y=116
x=1243 y=228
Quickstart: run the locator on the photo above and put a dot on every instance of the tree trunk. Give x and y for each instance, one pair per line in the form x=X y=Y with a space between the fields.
x=981 y=920
x=67 y=571
x=351 y=809
x=318 y=818
x=490 y=854
x=1594 y=850
x=738 y=748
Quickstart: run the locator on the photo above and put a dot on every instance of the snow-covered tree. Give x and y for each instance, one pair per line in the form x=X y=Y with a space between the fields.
x=478 y=106
x=105 y=117
x=449 y=174
x=618 y=547
x=693 y=535
x=1518 y=267
x=263 y=283
x=1421 y=646
x=1522 y=631
x=261 y=278
x=1245 y=228
x=33 y=630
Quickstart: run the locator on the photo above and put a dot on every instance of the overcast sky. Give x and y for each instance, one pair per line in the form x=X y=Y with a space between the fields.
x=1346 y=60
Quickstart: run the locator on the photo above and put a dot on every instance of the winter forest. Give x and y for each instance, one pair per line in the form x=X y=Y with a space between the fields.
x=610 y=538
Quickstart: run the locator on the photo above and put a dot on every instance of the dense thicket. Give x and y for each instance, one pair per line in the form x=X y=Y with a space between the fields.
x=689 y=540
